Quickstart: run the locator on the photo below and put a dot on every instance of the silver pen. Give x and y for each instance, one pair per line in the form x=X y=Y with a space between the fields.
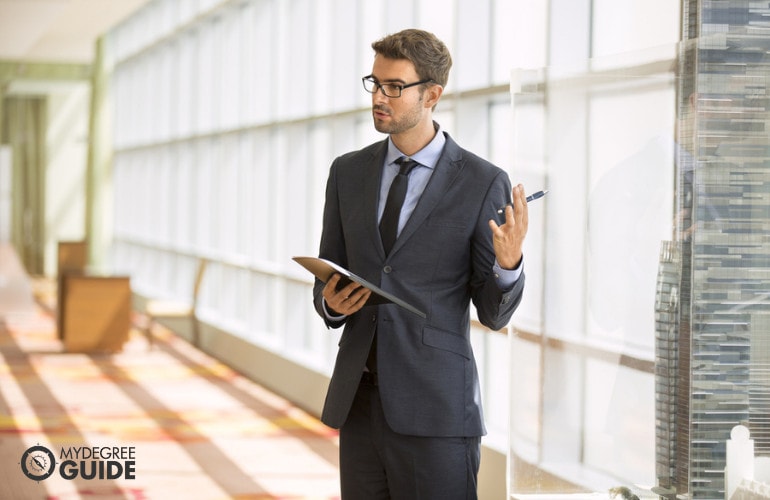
x=532 y=197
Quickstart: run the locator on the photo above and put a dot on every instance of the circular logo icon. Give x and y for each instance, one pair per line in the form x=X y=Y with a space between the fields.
x=38 y=463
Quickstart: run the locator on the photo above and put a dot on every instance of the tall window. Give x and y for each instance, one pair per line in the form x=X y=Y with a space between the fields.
x=645 y=345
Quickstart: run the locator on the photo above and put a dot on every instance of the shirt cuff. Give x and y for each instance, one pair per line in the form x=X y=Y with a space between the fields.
x=506 y=278
x=332 y=317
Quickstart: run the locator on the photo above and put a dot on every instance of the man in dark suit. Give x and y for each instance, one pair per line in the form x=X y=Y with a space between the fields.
x=405 y=390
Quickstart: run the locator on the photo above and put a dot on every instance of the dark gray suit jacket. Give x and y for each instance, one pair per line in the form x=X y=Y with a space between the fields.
x=442 y=260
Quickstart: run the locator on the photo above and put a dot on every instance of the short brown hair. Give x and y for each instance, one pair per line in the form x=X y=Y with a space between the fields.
x=429 y=55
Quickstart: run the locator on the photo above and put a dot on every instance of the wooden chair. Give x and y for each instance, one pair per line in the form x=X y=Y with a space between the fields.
x=98 y=312
x=155 y=309
x=72 y=258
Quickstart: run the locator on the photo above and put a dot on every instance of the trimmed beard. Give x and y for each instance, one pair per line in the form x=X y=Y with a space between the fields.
x=406 y=122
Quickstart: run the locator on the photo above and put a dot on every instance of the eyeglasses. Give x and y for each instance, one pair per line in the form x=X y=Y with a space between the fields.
x=391 y=90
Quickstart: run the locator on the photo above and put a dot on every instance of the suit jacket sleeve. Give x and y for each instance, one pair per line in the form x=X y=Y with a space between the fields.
x=332 y=245
x=493 y=305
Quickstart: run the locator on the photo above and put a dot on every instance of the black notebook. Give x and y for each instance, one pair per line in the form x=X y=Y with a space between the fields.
x=324 y=269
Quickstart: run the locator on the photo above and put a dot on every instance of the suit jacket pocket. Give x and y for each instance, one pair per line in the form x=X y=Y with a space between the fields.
x=447 y=341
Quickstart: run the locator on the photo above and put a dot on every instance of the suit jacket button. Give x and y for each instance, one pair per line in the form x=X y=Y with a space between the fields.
x=387 y=269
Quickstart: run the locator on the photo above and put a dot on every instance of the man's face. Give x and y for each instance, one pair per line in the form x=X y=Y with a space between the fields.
x=397 y=115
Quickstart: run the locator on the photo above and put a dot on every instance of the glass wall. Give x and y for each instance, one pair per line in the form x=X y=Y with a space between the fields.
x=583 y=355
x=648 y=345
x=595 y=125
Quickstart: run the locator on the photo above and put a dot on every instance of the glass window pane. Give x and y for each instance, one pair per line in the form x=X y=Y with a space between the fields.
x=630 y=26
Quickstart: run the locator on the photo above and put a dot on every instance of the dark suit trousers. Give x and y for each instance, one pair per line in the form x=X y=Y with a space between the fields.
x=378 y=464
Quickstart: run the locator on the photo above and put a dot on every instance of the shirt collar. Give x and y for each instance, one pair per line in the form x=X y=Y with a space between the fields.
x=427 y=156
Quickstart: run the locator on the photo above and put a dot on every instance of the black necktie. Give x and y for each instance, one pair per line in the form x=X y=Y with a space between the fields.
x=396 y=195
x=389 y=229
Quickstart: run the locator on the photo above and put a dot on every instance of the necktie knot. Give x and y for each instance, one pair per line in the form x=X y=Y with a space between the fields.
x=405 y=165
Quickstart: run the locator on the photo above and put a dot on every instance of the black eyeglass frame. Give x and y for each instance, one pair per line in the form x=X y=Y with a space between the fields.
x=378 y=85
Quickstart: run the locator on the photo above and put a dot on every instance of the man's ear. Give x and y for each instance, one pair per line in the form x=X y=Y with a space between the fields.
x=433 y=94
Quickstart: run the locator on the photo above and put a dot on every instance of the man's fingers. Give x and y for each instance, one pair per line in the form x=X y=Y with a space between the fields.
x=352 y=303
x=331 y=288
x=346 y=300
x=360 y=297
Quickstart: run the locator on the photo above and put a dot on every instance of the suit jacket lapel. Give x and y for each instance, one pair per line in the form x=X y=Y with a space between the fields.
x=371 y=194
x=445 y=172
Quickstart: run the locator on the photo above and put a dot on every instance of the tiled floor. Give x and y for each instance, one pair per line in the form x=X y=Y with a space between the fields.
x=190 y=427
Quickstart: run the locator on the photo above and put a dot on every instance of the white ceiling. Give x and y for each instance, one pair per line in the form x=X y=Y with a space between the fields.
x=57 y=30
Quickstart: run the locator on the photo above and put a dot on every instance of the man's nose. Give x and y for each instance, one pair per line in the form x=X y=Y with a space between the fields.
x=379 y=95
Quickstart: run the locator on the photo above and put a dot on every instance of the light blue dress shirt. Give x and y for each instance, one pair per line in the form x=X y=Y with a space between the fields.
x=427 y=158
